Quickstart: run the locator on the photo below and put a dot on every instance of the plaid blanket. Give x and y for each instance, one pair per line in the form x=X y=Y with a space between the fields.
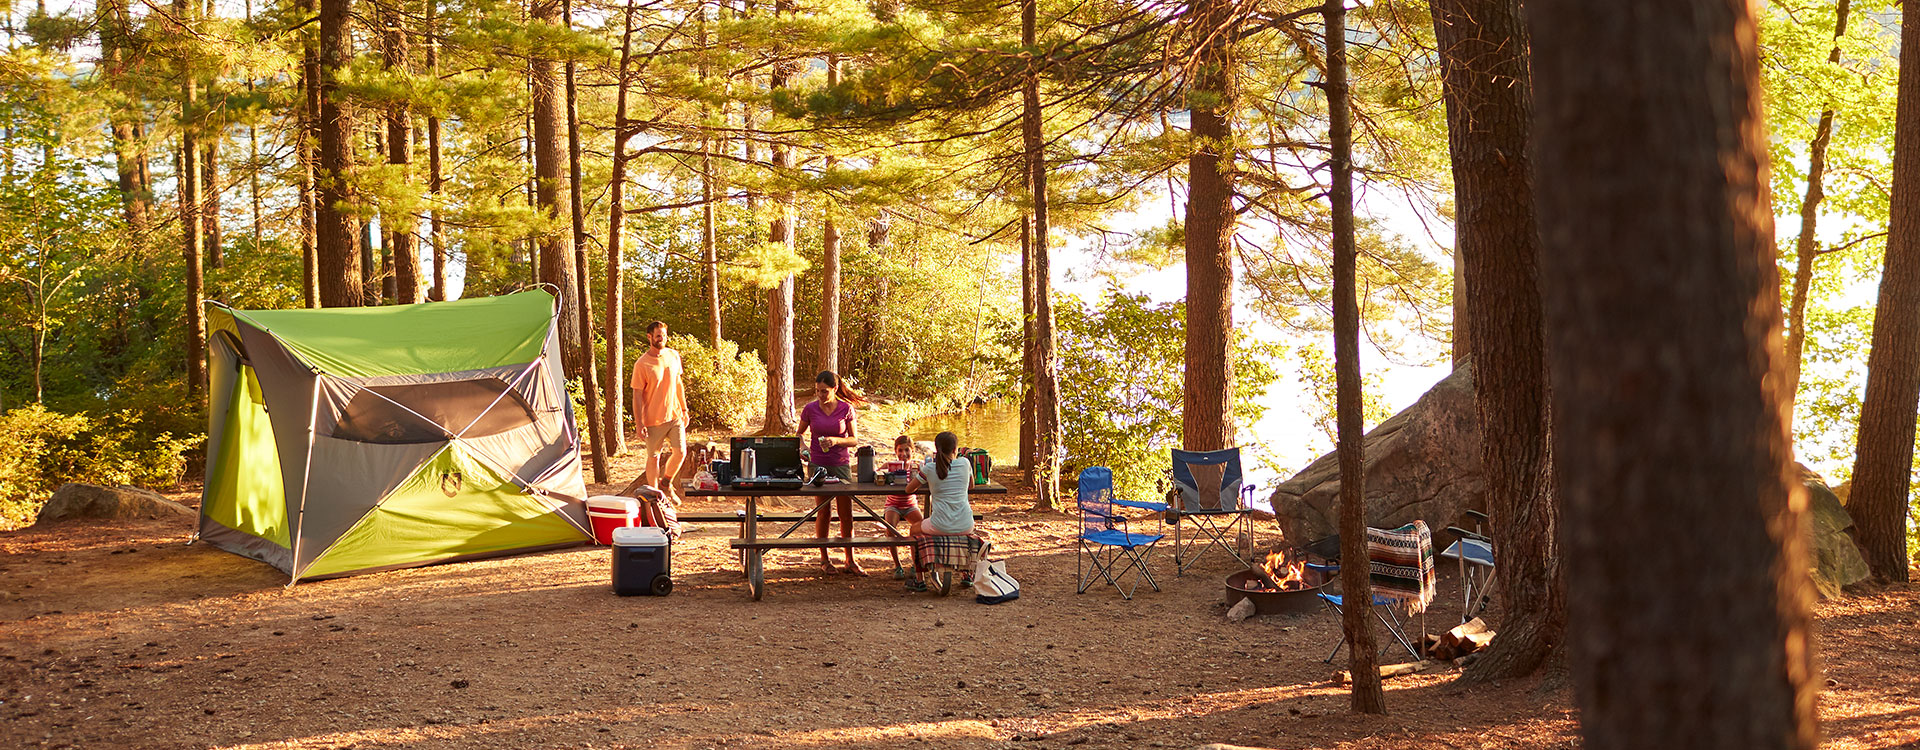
x=958 y=552
x=1400 y=565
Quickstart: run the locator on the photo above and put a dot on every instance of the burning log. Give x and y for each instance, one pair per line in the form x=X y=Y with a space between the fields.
x=1284 y=570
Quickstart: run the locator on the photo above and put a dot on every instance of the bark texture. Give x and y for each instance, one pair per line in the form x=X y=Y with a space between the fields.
x=1046 y=372
x=780 y=416
x=1882 y=463
x=1663 y=320
x=615 y=405
x=1206 y=420
x=336 y=249
x=401 y=244
x=1805 y=248
x=551 y=196
x=192 y=229
x=1483 y=55
x=1356 y=616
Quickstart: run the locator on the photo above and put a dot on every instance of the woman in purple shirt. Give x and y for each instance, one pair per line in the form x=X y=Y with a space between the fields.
x=830 y=419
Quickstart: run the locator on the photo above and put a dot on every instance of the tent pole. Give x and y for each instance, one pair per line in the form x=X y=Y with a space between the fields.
x=306 y=475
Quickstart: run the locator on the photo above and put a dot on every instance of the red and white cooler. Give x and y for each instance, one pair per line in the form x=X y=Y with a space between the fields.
x=609 y=512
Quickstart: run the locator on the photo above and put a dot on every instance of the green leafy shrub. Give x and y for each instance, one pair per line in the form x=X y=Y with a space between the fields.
x=46 y=449
x=725 y=388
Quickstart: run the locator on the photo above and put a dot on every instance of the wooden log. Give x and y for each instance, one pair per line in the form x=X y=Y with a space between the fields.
x=1343 y=677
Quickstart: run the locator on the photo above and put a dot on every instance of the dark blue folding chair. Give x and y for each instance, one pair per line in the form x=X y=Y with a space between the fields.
x=1106 y=550
x=1209 y=492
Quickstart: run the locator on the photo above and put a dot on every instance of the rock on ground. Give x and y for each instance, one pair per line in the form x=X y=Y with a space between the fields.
x=1422 y=463
x=1837 y=562
x=124 y=502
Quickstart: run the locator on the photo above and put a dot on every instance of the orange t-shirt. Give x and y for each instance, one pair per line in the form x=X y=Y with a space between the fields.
x=657 y=379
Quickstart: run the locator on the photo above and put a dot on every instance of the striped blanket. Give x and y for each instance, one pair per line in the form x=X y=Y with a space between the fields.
x=958 y=552
x=1400 y=565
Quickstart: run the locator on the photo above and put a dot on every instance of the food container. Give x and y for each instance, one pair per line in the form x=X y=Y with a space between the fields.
x=608 y=513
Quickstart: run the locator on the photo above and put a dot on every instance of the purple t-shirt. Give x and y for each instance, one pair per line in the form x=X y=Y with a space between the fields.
x=821 y=424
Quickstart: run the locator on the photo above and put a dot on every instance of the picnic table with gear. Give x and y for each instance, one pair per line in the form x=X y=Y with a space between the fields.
x=753 y=547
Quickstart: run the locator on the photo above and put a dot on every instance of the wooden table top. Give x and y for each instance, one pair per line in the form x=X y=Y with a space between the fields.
x=842 y=488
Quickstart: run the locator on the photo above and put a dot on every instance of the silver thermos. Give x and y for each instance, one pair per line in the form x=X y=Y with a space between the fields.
x=749 y=468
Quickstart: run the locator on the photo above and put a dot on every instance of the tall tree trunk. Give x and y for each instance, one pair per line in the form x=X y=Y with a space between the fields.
x=1883 y=459
x=401 y=246
x=780 y=417
x=115 y=52
x=192 y=229
x=1046 y=375
x=1206 y=418
x=1805 y=250
x=309 y=140
x=1029 y=415
x=1662 y=304
x=1357 y=616
x=253 y=161
x=436 y=181
x=583 y=282
x=827 y=346
x=616 y=222
x=210 y=193
x=549 y=159
x=336 y=248
x=1483 y=54
x=709 y=246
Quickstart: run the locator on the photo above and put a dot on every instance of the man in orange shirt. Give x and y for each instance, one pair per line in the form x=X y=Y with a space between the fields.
x=660 y=409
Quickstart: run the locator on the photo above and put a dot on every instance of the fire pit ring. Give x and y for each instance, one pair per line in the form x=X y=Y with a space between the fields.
x=1247 y=584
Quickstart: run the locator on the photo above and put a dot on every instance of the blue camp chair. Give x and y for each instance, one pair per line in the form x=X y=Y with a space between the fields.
x=1209 y=493
x=1106 y=550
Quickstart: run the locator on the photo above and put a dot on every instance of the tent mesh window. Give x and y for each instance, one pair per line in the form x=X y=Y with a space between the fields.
x=468 y=408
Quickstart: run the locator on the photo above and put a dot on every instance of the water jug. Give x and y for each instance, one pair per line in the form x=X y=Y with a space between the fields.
x=749 y=468
x=866 y=464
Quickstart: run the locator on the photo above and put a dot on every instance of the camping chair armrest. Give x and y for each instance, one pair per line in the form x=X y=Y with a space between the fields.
x=1143 y=505
x=1478 y=516
x=1465 y=534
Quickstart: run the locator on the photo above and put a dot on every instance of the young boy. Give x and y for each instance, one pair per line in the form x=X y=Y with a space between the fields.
x=901 y=507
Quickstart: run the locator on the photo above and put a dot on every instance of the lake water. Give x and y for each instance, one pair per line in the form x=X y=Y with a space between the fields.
x=994 y=426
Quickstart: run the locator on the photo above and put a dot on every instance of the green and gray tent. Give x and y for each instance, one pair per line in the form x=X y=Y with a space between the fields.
x=350 y=440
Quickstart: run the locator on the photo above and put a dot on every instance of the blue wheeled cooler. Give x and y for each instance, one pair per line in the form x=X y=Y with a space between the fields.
x=642 y=561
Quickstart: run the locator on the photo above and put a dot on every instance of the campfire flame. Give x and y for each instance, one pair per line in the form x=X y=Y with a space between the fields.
x=1287 y=569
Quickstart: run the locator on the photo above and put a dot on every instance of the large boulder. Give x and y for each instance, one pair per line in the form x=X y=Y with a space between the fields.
x=1422 y=463
x=1837 y=562
x=123 y=502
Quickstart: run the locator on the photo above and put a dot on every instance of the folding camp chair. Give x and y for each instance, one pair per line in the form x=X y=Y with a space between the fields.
x=1400 y=572
x=1473 y=550
x=1108 y=549
x=1207 y=488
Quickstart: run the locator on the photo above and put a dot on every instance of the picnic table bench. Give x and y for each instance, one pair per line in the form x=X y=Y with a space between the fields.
x=753 y=547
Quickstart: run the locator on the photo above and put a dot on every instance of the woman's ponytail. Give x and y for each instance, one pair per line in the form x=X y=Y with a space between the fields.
x=946 y=445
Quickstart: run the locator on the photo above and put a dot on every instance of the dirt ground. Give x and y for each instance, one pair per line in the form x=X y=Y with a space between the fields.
x=119 y=635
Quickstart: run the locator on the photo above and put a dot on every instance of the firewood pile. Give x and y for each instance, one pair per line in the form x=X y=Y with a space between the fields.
x=1468 y=638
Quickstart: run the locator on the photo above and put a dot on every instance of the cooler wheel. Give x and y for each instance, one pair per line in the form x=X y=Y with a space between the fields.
x=662 y=585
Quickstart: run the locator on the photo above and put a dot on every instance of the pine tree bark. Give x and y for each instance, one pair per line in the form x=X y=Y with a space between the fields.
x=616 y=224
x=1883 y=458
x=1662 y=303
x=309 y=137
x=549 y=163
x=1206 y=417
x=780 y=416
x=401 y=245
x=827 y=345
x=584 y=286
x=116 y=32
x=1805 y=248
x=337 y=248
x=192 y=230
x=436 y=180
x=1483 y=55
x=1357 y=616
x=709 y=190
x=1046 y=374
x=1029 y=415
x=210 y=194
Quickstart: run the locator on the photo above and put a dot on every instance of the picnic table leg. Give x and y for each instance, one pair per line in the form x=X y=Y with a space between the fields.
x=751 y=559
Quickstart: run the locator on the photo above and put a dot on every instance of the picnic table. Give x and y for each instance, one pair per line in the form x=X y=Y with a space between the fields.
x=752 y=546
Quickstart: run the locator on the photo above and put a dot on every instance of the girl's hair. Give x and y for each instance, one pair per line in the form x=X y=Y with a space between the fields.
x=946 y=445
x=902 y=440
x=840 y=387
